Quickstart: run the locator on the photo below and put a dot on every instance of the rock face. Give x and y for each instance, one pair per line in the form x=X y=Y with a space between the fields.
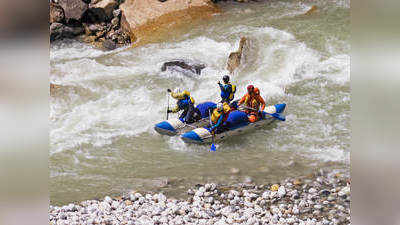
x=73 y=9
x=234 y=58
x=56 y=13
x=185 y=65
x=145 y=20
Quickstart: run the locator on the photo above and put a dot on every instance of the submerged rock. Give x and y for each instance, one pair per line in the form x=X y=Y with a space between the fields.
x=185 y=65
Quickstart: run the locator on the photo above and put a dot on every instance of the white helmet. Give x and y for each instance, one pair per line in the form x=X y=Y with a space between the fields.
x=177 y=90
x=220 y=106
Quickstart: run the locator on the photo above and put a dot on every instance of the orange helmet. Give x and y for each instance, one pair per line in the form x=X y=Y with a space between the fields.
x=250 y=89
x=256 y=91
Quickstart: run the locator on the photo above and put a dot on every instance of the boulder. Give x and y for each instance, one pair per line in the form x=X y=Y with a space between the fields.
x=56 y=13
x=185 y=65
x=151 y=20
x=101 y=11
x=60 y=31
x=73 y=9
x=235 y=58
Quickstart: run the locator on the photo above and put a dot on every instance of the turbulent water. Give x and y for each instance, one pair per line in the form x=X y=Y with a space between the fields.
x=102 y=139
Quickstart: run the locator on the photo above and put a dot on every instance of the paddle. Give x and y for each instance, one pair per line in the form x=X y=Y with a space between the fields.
x=213 y=148
x=167 y=104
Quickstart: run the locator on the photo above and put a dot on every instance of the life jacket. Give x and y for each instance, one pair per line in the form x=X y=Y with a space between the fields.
x=229 y=95
x=215 y=115
x=255 y=104
x=183 y=103
x=232 y=95
x=248 y=100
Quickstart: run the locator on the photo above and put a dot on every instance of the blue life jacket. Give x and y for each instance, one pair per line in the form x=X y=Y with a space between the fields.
x=228 y=91
x=184 y=103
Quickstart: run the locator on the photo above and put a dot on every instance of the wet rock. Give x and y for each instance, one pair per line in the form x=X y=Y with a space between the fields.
x=235 y=58
x=60 y=31
x=183 y=64
x=56 y=13
x=73 y=9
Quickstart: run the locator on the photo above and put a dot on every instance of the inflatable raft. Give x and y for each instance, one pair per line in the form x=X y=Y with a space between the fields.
x=175 y=126
x=237 y=123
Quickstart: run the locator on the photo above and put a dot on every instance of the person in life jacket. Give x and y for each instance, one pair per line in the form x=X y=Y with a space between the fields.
x=219 y=116
x=258 y=105
x=227 y=90
x=185 y=102
x=247 y=99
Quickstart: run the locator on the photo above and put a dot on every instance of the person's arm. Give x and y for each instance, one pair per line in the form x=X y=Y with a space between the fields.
x=220 y=86
x=218 y=122
x=242 y=100
x=261 y=100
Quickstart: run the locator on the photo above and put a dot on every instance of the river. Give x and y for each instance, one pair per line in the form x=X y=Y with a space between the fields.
x=102 y=140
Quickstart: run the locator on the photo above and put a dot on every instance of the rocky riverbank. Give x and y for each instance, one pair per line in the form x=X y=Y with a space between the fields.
x=320 y=198
x=110 y=24
x=91 y=21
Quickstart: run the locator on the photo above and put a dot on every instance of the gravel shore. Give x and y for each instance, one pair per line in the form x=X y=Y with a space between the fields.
x=320 y=198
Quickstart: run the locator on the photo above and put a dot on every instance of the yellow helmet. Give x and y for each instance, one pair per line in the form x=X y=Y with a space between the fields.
x=187 y=93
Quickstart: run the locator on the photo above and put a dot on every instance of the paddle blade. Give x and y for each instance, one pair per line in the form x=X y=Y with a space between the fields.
x=213 y=148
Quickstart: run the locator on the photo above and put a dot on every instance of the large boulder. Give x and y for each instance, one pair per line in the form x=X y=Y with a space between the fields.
x=235 y=58
x=56 y=13
x=147 y=20
x=60 y=31
x=73 y=9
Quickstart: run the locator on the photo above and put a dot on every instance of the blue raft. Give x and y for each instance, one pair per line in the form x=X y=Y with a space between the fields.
x=236 y=123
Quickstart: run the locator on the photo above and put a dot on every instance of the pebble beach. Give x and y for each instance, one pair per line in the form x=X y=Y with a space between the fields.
x=319 y=198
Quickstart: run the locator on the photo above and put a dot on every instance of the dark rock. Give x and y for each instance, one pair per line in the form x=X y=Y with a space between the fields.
x=109 y=45
x=56 y=13
x=101 y=11
x=73 y=9
x=60 y=31
x=184 y=64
